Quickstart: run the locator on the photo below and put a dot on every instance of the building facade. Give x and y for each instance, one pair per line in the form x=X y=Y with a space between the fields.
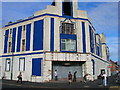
x=58 y=38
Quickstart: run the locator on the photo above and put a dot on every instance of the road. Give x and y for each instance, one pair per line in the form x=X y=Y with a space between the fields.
x=7 y=84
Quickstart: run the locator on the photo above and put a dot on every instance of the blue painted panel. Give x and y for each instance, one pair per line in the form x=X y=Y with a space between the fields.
x=19 y=38
x=36 y=66
x=28 y=33
x=13 y=39
x=6 y=41
x=67 y=36
x=95 y=44
x=98 y=51
x=38 y=35
x=91 y=40
x=52 y=35
x=100 y=48
x=84 y=37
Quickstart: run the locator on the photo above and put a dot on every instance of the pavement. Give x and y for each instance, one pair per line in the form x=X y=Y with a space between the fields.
x=96 y=84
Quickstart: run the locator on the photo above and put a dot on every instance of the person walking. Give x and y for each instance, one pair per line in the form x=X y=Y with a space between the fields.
x=56 y=75
x=74 y=78
x=100 y=77
x=85 y=78
x=69 y=78
x=19 y=77
x=104 y=79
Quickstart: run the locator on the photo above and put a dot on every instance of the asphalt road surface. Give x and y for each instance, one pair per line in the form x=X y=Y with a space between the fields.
x=10 y=84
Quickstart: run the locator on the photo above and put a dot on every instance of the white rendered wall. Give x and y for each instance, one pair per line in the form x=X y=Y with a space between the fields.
x=87 y=34
x=75 y=7
x=46 y=45
x=79 y=37
x=27 y=74
x=51 y=9
x=47 y=71
x=100 y=65
x=56 y=34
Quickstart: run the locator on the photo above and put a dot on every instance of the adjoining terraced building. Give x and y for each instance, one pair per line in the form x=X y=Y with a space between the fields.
x=61 y=38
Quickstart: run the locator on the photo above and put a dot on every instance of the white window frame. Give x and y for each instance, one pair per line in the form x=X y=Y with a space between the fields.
x=21 y=64
x=7 y=64
x=70 y=43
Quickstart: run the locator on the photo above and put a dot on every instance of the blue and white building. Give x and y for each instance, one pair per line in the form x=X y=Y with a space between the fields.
x=61 y=38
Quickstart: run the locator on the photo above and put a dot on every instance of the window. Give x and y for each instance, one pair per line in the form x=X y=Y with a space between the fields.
x=23 y=31
x=22 y=64
x=23 y=45
x=9 y=47
x=24 y=27
x=68 y=28
x=68 y=45
x=10 y=31
x=102 y=71
x=7 y=66
x=67 y=8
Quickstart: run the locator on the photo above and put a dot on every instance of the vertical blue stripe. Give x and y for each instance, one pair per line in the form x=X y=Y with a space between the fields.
x=98 y=51
x=95 y=44
x=93 y=64
x=71 y=8
x=100 y=48
x=52 y=35
x=91 y=40
x=6 y=41
x=38 y=35
x=13 y=39
x=28 y=32
x=19 y=38
x=83 y=37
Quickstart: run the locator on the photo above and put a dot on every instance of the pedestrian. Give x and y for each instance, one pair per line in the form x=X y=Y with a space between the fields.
x=118 y=78
x=56 y=75
x=74 y=78
x=19 y=77
x=104 y=79
x=85 y=78
x=100 y=77
x=69 y=78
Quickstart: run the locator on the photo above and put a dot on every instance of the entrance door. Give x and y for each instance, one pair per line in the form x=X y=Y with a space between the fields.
x=36 y=66
x=64 y=67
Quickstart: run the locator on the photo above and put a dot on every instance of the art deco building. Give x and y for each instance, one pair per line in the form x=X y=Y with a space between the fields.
x=61 y=38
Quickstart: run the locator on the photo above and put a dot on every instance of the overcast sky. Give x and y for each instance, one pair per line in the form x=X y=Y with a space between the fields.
x=104 y=16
